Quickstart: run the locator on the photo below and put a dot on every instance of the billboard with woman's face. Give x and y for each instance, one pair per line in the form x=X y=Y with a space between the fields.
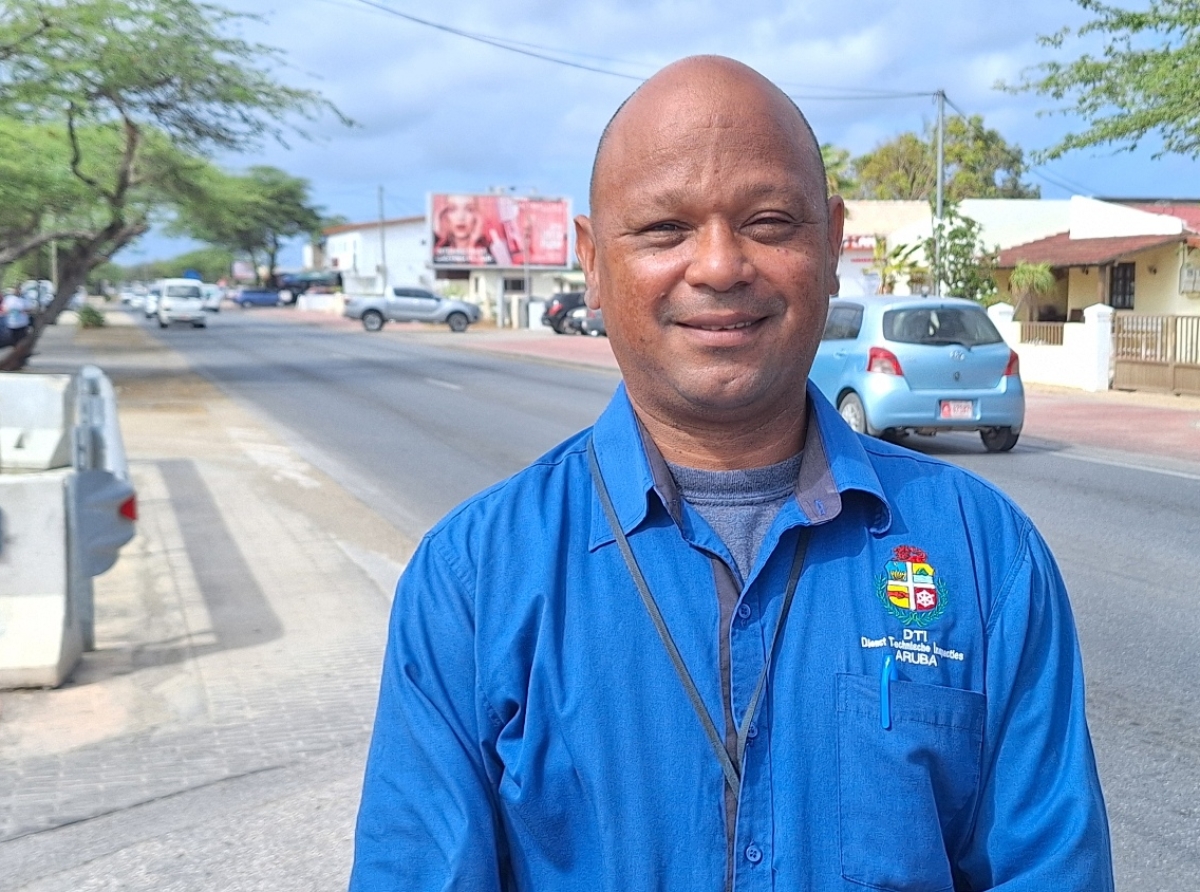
x=503 y=231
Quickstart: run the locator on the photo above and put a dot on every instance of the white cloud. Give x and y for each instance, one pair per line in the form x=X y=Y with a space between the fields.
x=440 y=112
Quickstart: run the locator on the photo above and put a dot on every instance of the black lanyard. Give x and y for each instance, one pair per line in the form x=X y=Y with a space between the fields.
x=733 y=773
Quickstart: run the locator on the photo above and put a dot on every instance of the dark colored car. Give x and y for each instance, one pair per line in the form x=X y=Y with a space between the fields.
x=558 y=311
x=593 y=324
x=257 y=297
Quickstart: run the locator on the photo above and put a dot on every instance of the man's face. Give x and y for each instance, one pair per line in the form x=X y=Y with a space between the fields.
x=713 y=252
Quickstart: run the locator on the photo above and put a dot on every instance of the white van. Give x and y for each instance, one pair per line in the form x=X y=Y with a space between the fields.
x=180 y=300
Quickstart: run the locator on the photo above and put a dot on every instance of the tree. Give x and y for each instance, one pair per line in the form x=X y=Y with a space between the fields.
x=964 y=266
x=1030 y=280
x=901 y=169
x=839 y=170
x=138 y=92
x=252 y=214
x=890 y=264
x=1142 y=83
x=979 y=162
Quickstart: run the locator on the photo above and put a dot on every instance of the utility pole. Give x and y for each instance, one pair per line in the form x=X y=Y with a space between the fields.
x=382 y=249
x=941 y=188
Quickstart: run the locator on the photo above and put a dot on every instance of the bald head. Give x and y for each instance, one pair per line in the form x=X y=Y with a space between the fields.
x=708 y=86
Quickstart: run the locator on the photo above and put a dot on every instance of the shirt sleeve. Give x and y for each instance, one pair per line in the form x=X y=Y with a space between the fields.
x=1040 y=822
x=427 y=820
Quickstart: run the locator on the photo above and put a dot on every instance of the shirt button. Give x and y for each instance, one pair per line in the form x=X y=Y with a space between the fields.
x=752 y=731
x=753 y=853
x=744 y=611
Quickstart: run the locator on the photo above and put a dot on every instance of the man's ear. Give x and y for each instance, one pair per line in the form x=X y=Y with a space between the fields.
x=585 y=250
x=837 y=220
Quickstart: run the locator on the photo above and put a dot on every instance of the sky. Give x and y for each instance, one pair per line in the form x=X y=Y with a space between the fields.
x=434 y=111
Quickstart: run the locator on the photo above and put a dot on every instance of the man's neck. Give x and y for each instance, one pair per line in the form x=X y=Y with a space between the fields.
x=727 y=447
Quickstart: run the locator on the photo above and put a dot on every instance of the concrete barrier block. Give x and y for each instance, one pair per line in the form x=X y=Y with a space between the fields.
x=36 y=416
x=40 y=636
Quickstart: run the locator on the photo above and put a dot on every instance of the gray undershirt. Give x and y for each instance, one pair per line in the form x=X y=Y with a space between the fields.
x=740 y=506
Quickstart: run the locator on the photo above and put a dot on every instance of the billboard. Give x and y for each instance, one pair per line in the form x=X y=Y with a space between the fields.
x=504 y=231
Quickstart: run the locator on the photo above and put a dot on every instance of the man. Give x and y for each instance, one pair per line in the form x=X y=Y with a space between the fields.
x=663 y=657
x=16 y=316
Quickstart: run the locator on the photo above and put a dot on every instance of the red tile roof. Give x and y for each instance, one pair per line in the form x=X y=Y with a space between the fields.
x=1062 y=250
x=1188 y=212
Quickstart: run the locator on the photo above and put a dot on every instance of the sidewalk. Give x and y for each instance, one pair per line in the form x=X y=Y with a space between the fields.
x=215 y=737
x=1141 y=423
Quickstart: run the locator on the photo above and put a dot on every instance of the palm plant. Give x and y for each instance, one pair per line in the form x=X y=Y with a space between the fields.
x=1030 y=280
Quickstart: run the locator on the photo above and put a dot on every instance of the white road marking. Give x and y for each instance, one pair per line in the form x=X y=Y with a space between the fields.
x=1131 y=466
x=448 y=385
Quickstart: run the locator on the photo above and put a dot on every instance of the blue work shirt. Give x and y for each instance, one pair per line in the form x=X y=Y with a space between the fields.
x=533 y=734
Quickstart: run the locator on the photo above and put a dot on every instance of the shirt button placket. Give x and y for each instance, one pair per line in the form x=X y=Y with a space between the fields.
x=744 y=611
x=753 y=853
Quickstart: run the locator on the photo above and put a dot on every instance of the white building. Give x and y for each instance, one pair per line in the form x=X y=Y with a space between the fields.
x=378 y=256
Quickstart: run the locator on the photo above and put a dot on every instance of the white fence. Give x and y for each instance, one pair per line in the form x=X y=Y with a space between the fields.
x=1083 y=359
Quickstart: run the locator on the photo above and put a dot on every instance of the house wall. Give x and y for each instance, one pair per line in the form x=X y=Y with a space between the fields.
x=1157 y=293
x=1083 y=288
x=356 y=254
x=1082 y=361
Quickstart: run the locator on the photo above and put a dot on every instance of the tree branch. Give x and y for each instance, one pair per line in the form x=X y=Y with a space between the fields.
x=77 y=155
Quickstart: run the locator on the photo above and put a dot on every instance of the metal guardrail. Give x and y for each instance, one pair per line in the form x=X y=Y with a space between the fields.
x=96 y=438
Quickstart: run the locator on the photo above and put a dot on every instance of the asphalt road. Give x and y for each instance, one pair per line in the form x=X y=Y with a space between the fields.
x=412 y=428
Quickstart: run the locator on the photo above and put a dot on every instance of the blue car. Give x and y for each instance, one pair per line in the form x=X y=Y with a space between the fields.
x=898 y=365
x=258 y=297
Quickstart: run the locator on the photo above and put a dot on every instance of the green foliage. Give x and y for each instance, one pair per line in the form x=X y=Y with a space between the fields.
x=1030 y=280
x=839 y=170
x=90 y=317
x=110 y=108
x=890 y=264
x=252 y=213
x=961 y=262
x=980 y=163
x=1142 y=82
x=211 y=263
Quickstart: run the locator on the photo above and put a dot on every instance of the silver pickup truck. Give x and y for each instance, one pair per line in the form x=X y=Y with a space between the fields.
x=410 y=305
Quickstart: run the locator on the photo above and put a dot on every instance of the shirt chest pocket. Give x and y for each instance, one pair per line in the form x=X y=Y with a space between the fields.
x=901 y=788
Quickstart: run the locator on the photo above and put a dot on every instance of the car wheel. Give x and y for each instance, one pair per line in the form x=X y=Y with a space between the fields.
x=372 y=320
x=593 y=332
x=162 y=324
x=199 y=325
x=458 y=321
x=998 y=439
x=561 y=326
x=851 y=409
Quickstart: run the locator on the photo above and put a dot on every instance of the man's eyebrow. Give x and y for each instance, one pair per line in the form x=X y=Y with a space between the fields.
x=665 y=198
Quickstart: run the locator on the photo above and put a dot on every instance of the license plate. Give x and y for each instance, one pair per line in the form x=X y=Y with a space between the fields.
x=958 y=409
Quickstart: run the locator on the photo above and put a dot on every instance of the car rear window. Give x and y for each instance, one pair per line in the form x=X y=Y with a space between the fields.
x=843 y=323
x=940 y=325
x=183 y=291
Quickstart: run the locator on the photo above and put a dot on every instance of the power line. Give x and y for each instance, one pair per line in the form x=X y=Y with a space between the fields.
x=500 y=43
x=1033 y=170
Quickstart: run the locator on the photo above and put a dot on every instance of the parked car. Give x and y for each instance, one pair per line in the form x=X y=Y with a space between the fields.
x=257 y=297
x=180 y=300
x=213 y=295
x=411 y=305
x=593 y=323
x=558 y=311
x=150 y=305
x=895 y=365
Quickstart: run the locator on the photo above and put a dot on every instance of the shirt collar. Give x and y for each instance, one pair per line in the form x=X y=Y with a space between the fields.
x=834 y=463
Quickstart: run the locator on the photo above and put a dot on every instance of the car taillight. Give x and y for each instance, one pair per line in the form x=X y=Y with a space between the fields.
x=884 y=362
x=128 y=508
x=1014 y=364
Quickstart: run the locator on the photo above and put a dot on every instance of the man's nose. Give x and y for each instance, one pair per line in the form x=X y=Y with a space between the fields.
x=720 y=260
